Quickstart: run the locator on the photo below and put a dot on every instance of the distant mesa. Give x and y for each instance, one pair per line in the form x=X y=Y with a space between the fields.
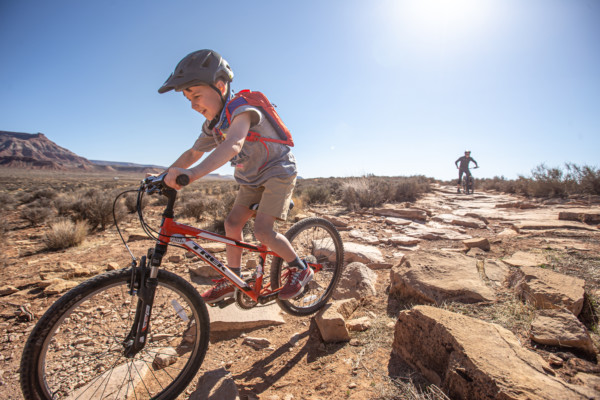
x=35 y=151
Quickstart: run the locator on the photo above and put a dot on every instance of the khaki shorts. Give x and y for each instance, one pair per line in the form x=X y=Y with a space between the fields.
x=273 y=198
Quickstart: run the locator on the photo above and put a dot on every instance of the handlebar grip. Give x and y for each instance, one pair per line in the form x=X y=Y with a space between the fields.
x=182 y=180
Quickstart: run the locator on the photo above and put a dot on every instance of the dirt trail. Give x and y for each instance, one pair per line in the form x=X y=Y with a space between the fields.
x=309 y=369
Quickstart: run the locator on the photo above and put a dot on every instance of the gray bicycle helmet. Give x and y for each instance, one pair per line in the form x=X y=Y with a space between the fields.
x=202 y=67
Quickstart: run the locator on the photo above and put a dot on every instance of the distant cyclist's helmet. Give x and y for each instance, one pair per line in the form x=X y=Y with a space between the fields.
x=202 y=67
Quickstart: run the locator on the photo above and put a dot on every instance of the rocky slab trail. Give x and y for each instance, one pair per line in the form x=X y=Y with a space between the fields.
x=485 y=295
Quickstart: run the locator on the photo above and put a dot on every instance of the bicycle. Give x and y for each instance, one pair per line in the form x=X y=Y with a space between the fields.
x=468 y=183
x=142 y=332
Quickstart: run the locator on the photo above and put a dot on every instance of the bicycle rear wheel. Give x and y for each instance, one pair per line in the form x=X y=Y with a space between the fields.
x=317 y=241
x=76 y=350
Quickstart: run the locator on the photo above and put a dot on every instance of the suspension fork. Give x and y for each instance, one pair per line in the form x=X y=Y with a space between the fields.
x=145 y=280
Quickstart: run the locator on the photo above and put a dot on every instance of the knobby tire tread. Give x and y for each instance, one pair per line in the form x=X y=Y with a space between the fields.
x=30 y=381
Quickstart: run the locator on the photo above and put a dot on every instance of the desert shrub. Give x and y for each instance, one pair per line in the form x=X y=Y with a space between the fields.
x=193 y=208
x=411 y=189
x=317 y=194
x=41 y=195
x=66 y=204
x=65 y=233
x=36 y=215
x=131 y=202
x=548 y=182
x=587 y=178
x=365 y=192
x=96 y=207
x=7 y=201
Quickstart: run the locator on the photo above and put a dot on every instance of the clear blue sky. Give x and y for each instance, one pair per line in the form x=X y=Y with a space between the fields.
x=384 y=87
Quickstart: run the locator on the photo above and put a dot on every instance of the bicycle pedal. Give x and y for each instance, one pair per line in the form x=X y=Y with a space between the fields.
x=224 y=303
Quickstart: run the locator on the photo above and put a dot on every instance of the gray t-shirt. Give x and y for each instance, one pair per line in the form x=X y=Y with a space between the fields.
x=257 y=161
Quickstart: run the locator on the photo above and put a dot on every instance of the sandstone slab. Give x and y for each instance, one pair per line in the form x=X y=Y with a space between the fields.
x=561 y=328
x=406 y=213
x=547 y=289
x=231 y=318
x=467 y=222
x=472 y=359
x=525 y=259
x=437 y=277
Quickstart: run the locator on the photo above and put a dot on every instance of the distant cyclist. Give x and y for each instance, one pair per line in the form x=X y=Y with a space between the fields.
x=463 y=168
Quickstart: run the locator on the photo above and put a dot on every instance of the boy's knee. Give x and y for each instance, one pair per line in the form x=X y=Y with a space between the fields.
x=232 y=226
x=263 y=234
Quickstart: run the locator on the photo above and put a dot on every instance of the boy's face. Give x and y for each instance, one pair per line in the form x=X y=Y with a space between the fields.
x=205 y=99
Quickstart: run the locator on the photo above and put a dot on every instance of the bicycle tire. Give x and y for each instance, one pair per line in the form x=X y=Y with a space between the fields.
x=69 y=355
x=312 y=238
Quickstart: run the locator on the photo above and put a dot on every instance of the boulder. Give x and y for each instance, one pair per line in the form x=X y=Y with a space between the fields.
x=560 y=328
x=438 y=277
x=547 y=289
x=472 y=359
x=331 y=320
x=357 y=282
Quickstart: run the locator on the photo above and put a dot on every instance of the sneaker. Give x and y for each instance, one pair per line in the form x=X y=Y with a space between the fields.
x=222 y=290
x=295 y=283
x=458 y=190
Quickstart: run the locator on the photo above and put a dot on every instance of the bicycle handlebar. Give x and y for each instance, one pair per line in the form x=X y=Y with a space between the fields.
x=182 y=180
x=155 y=183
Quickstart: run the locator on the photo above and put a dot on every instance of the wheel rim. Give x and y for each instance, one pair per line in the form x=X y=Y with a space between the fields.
x=96 y=366
x=315 y=244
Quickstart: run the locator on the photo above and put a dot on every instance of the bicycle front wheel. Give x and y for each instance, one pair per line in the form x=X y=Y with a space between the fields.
x=317 y=241
x=76 y=350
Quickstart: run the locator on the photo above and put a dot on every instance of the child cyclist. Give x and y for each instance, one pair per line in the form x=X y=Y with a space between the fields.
x=265 y=170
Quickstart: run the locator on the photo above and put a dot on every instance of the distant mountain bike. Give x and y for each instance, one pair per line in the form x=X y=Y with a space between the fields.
x=468 y=183
x=142 y=332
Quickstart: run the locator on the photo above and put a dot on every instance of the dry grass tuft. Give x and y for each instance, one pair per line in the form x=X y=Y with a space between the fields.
x=65 y=234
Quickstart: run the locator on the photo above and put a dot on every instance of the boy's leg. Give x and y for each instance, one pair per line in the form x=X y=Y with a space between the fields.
x=264 y=232
x=234 y=225
x=300 y=274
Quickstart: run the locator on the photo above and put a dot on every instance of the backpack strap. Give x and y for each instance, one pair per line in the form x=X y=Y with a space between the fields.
x=259 y=100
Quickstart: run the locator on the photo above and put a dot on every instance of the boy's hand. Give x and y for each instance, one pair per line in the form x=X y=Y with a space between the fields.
x=172 y=175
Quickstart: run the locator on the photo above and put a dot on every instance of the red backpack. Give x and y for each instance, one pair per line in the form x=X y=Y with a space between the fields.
x=259 y=100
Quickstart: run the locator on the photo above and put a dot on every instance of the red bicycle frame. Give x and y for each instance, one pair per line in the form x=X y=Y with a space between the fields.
x=181 y=234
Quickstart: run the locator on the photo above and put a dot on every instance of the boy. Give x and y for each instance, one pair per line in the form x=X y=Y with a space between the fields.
x=266 y=171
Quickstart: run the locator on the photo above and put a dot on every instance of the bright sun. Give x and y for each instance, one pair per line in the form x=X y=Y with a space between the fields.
x=432 y=21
